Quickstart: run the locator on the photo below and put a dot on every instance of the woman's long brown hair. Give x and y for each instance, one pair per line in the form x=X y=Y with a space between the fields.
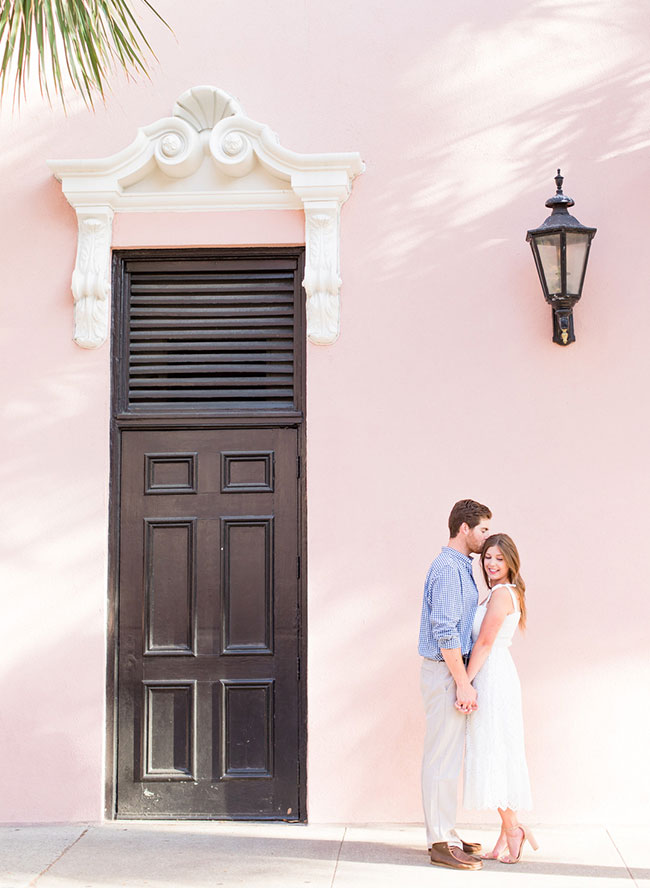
x=511 y=556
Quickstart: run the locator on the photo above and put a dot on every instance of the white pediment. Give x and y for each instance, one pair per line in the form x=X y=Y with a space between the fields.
x=207 y=156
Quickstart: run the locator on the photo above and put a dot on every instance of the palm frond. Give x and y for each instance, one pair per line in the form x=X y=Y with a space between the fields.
x=80 y=41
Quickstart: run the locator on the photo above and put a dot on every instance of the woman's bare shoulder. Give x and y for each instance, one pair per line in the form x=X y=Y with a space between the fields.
x=501 y=599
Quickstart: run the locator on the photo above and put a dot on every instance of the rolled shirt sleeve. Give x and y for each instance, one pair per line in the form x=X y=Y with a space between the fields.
x=449 y=603
x=446 y=607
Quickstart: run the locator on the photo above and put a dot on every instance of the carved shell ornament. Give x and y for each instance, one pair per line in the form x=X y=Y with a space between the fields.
x=207 y=122
x=204 y=106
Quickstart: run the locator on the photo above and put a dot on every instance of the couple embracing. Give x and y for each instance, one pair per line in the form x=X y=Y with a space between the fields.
x=471 y=691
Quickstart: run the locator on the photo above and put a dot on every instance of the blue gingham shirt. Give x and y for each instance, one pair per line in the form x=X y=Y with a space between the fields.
x=448 y=605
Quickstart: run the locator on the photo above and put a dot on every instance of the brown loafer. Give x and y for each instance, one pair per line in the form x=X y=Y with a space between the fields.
x=453 y=857
x=468 y=847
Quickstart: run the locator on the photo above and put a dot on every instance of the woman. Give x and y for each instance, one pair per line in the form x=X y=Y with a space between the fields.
x=496 y=775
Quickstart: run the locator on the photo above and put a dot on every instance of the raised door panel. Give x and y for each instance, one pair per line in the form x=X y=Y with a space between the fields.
x=247 y=572
x=169 y=586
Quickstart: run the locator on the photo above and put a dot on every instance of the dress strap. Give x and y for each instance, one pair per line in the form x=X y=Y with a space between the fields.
x=511 y=587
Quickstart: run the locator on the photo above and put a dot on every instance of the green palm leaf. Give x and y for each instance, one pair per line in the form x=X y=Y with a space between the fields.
x=82 y=41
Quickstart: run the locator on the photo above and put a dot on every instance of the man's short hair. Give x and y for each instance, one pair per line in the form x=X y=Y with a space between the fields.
x=469 y=512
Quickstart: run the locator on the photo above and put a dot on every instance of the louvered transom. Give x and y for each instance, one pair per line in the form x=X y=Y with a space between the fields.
x=212 y=334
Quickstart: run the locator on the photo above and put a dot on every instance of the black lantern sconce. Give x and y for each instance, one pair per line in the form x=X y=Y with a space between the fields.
x=561 y=248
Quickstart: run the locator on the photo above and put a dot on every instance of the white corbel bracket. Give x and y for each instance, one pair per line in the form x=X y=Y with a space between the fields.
x=322 y=280
x=91 y=288
x=207 y=156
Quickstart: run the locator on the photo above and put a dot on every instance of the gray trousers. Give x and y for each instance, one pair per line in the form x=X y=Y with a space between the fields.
x=443 y=752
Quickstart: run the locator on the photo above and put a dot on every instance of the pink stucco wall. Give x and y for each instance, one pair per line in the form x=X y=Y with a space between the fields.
x=444 y=384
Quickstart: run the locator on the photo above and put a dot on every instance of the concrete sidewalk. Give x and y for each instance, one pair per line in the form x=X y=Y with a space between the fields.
x=220 y=855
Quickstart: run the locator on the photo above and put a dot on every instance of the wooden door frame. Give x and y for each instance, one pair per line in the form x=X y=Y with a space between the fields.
x=200 y=421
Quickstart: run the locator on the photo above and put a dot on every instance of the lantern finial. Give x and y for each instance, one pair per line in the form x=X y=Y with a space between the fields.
x=559 y=203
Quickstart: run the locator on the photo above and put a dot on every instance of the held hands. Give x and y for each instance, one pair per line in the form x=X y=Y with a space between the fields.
x=466 y=699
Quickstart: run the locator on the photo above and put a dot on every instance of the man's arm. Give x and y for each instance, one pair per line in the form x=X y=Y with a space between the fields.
x=466 y=698
x=446 y=611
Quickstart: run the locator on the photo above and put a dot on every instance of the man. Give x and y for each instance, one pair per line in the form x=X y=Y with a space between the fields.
x=448 y=607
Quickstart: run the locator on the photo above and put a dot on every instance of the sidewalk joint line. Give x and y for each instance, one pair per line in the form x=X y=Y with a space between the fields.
x=338 y=856
x=629 y=871
x=56 y=860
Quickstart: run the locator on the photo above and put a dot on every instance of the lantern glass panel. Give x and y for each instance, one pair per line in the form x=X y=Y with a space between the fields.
x=577 y=244
x=548 y=247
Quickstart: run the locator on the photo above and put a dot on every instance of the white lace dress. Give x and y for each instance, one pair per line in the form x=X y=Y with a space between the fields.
x=496 y=774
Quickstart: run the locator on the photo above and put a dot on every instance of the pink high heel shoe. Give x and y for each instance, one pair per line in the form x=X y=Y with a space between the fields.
x=526 y=835
x=499 y=848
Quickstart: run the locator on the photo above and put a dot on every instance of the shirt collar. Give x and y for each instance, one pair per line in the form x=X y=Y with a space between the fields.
x=463 y=559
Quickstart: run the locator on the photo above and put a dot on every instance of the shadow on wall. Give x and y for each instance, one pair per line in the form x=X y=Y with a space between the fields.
x=490 y=183
x=485 y=116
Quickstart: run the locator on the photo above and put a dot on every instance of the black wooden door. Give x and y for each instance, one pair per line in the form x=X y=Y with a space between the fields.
x=208 y=712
